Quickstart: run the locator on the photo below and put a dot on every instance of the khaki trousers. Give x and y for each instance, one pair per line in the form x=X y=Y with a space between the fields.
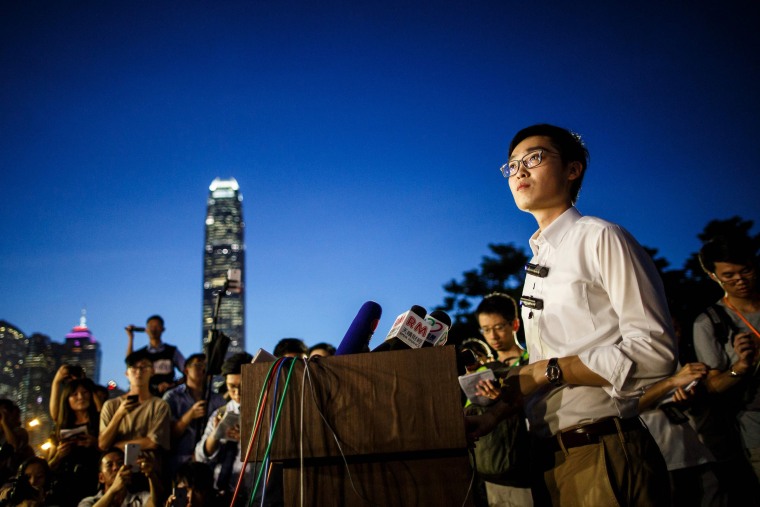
x=623 y=469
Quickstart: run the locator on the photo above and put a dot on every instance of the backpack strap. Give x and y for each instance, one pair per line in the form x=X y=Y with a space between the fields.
x=721 y=322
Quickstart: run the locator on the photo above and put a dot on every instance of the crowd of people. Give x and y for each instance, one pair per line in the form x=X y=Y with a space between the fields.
x=613 y=418
x=159 y=444
x=595 y=408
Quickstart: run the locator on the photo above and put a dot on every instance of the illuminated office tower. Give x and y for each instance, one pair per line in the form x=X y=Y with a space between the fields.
x=14 y=345
x=81 y=348
x=224 y=250
x=34 y=390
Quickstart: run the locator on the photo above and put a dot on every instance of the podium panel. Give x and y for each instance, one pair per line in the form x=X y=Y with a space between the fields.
x=397 y=416
x=433 y=482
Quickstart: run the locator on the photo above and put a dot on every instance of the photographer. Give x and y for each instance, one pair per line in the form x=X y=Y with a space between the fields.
x=195 y=486
x=116 y=478
x=30 y=486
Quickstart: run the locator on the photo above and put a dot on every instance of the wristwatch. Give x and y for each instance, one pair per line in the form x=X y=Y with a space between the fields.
x=735 y=373
x=553 y=372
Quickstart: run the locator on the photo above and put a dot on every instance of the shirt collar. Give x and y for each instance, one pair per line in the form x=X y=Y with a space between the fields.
x=233 y=406
x=553 y=234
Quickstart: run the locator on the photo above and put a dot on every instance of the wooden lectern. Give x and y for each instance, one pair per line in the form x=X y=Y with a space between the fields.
x=397 y=415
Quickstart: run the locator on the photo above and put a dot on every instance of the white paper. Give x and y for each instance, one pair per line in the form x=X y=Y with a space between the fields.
x=469 y=383
x=229 y=420
x=68 y=433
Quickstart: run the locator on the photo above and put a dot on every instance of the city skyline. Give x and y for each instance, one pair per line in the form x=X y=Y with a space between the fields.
x=367 y=138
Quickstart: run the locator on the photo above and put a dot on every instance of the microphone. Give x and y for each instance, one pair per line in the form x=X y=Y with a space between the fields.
x=440 y=322
x=361 y=329
x=408 y=331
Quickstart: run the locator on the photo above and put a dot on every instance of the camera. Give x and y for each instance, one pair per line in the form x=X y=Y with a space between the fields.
x=21 y=491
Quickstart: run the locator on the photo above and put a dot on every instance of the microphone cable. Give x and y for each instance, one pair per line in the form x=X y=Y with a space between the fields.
x=276 y=412
x=255 y=434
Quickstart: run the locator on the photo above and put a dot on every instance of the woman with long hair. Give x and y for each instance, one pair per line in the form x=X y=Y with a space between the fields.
x=74 y=457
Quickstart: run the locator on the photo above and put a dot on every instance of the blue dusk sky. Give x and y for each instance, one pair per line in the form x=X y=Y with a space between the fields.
x=366 y=137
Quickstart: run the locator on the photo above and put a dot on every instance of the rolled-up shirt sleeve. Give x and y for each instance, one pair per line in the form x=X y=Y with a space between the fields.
x=645 y=350
x=200 y=447
x=602 y=300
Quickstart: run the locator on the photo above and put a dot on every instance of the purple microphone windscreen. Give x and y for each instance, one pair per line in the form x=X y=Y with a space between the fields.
x=360 y=331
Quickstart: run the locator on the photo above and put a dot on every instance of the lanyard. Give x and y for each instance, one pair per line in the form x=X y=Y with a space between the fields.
x=739 y=314
x=522 y=357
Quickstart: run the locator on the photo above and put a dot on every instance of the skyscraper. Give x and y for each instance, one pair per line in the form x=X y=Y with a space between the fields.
x=14 y=345
x=224 y=250
x=34 y=390
x=81 y=348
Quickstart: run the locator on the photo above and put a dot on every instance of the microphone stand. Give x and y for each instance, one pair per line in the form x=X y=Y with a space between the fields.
x=215 y=349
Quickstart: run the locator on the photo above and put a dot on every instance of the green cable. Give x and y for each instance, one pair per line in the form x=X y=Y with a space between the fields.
x=273 y=430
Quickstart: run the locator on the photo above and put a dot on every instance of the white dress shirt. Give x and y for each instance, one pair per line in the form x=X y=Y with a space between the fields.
x=603 y=300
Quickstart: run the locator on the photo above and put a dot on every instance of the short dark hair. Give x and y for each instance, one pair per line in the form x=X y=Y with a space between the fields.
x=324 y=346
x=500 y=304
x=290 y=345
x=137 y=356
x=108 y=451
x=233 y=364
x=736 y=249
x=198 y=356
x=569 y=145
x=155 y=317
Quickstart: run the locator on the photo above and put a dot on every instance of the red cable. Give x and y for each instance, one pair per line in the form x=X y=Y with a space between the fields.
x=256 y=428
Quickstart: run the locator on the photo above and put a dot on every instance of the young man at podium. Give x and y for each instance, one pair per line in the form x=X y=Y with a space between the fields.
x=598 y=332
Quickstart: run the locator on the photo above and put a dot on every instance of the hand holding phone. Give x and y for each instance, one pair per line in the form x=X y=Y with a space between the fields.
x=180 y=497
x=131 y=453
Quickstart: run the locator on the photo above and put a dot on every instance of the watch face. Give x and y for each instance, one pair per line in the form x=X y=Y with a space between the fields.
x=553 y=372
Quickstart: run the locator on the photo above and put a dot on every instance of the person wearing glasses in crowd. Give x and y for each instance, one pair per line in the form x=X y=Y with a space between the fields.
x=220 y=444
x=508 y=484
x=726 y=339
x=189 y=404
x=598 y=332
x=137 y=417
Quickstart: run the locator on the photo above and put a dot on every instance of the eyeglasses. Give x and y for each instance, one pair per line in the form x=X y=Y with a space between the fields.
x=529 y=161
x=747 y=273
x=140 y=368
x=498 y=328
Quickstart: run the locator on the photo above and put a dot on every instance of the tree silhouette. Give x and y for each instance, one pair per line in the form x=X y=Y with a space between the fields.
x=502 y=272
